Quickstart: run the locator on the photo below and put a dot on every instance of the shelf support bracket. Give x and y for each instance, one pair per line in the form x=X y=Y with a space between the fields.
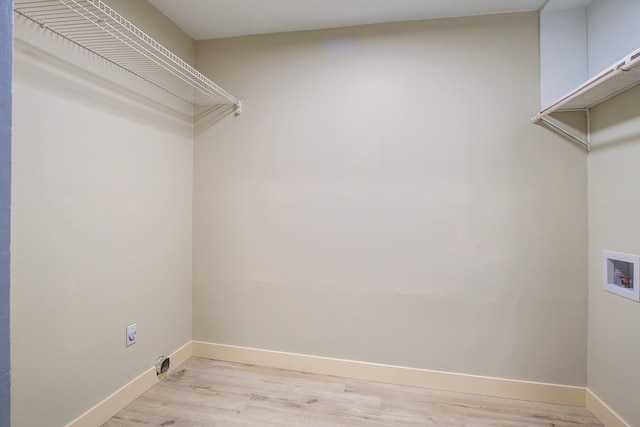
x=586 y=141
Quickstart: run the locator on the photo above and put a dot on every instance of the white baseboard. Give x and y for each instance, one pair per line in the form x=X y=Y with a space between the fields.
x=605 y=414
x=487 y=386
x=113 y=404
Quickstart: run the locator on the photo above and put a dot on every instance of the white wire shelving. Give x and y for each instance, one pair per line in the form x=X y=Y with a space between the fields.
x=96 y=27
x=619 y=77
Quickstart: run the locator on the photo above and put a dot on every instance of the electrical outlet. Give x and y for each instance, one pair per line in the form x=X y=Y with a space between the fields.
x=132 y=334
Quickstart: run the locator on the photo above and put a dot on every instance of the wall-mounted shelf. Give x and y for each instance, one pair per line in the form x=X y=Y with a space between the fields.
x=621 y=76
x=99 y=29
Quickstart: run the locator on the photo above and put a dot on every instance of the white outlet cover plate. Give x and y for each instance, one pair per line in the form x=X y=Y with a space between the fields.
x=132 y=334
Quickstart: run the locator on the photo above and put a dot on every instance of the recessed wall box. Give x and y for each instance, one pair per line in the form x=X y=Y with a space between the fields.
x=621 y=274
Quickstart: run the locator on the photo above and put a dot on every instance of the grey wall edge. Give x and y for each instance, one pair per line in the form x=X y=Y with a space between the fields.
x=6 y=53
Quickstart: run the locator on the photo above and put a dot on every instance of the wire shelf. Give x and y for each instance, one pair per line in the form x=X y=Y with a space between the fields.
x=99 y=29
x=620 y=77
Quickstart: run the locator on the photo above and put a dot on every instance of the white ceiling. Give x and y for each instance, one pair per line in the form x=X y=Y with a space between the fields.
x=209 y=19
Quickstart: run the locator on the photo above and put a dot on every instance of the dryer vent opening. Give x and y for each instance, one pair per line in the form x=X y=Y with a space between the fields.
x=162 y=365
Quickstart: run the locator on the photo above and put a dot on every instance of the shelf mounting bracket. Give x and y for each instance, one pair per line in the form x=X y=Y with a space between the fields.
x=583 y=141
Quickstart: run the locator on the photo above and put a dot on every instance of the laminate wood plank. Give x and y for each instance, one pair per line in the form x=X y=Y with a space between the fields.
x=205 y=392
x=416 y=400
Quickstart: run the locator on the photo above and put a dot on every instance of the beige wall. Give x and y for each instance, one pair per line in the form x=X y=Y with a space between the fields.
x=614 y=208
x=101 y=228
x=384 y=197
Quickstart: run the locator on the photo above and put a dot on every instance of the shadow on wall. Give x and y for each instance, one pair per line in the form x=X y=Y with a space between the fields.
x=205 y=117
x=53 y=63
x=625 y=140
x=615 y=122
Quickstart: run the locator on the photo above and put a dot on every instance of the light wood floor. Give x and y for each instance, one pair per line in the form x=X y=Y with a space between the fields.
x=205 y=392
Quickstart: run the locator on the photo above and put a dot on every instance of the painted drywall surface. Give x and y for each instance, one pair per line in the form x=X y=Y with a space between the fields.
x=385 y=198
x=101 y=228
x=614 y=209
x=613 y=32
x=6 y=48
x=563 y=52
